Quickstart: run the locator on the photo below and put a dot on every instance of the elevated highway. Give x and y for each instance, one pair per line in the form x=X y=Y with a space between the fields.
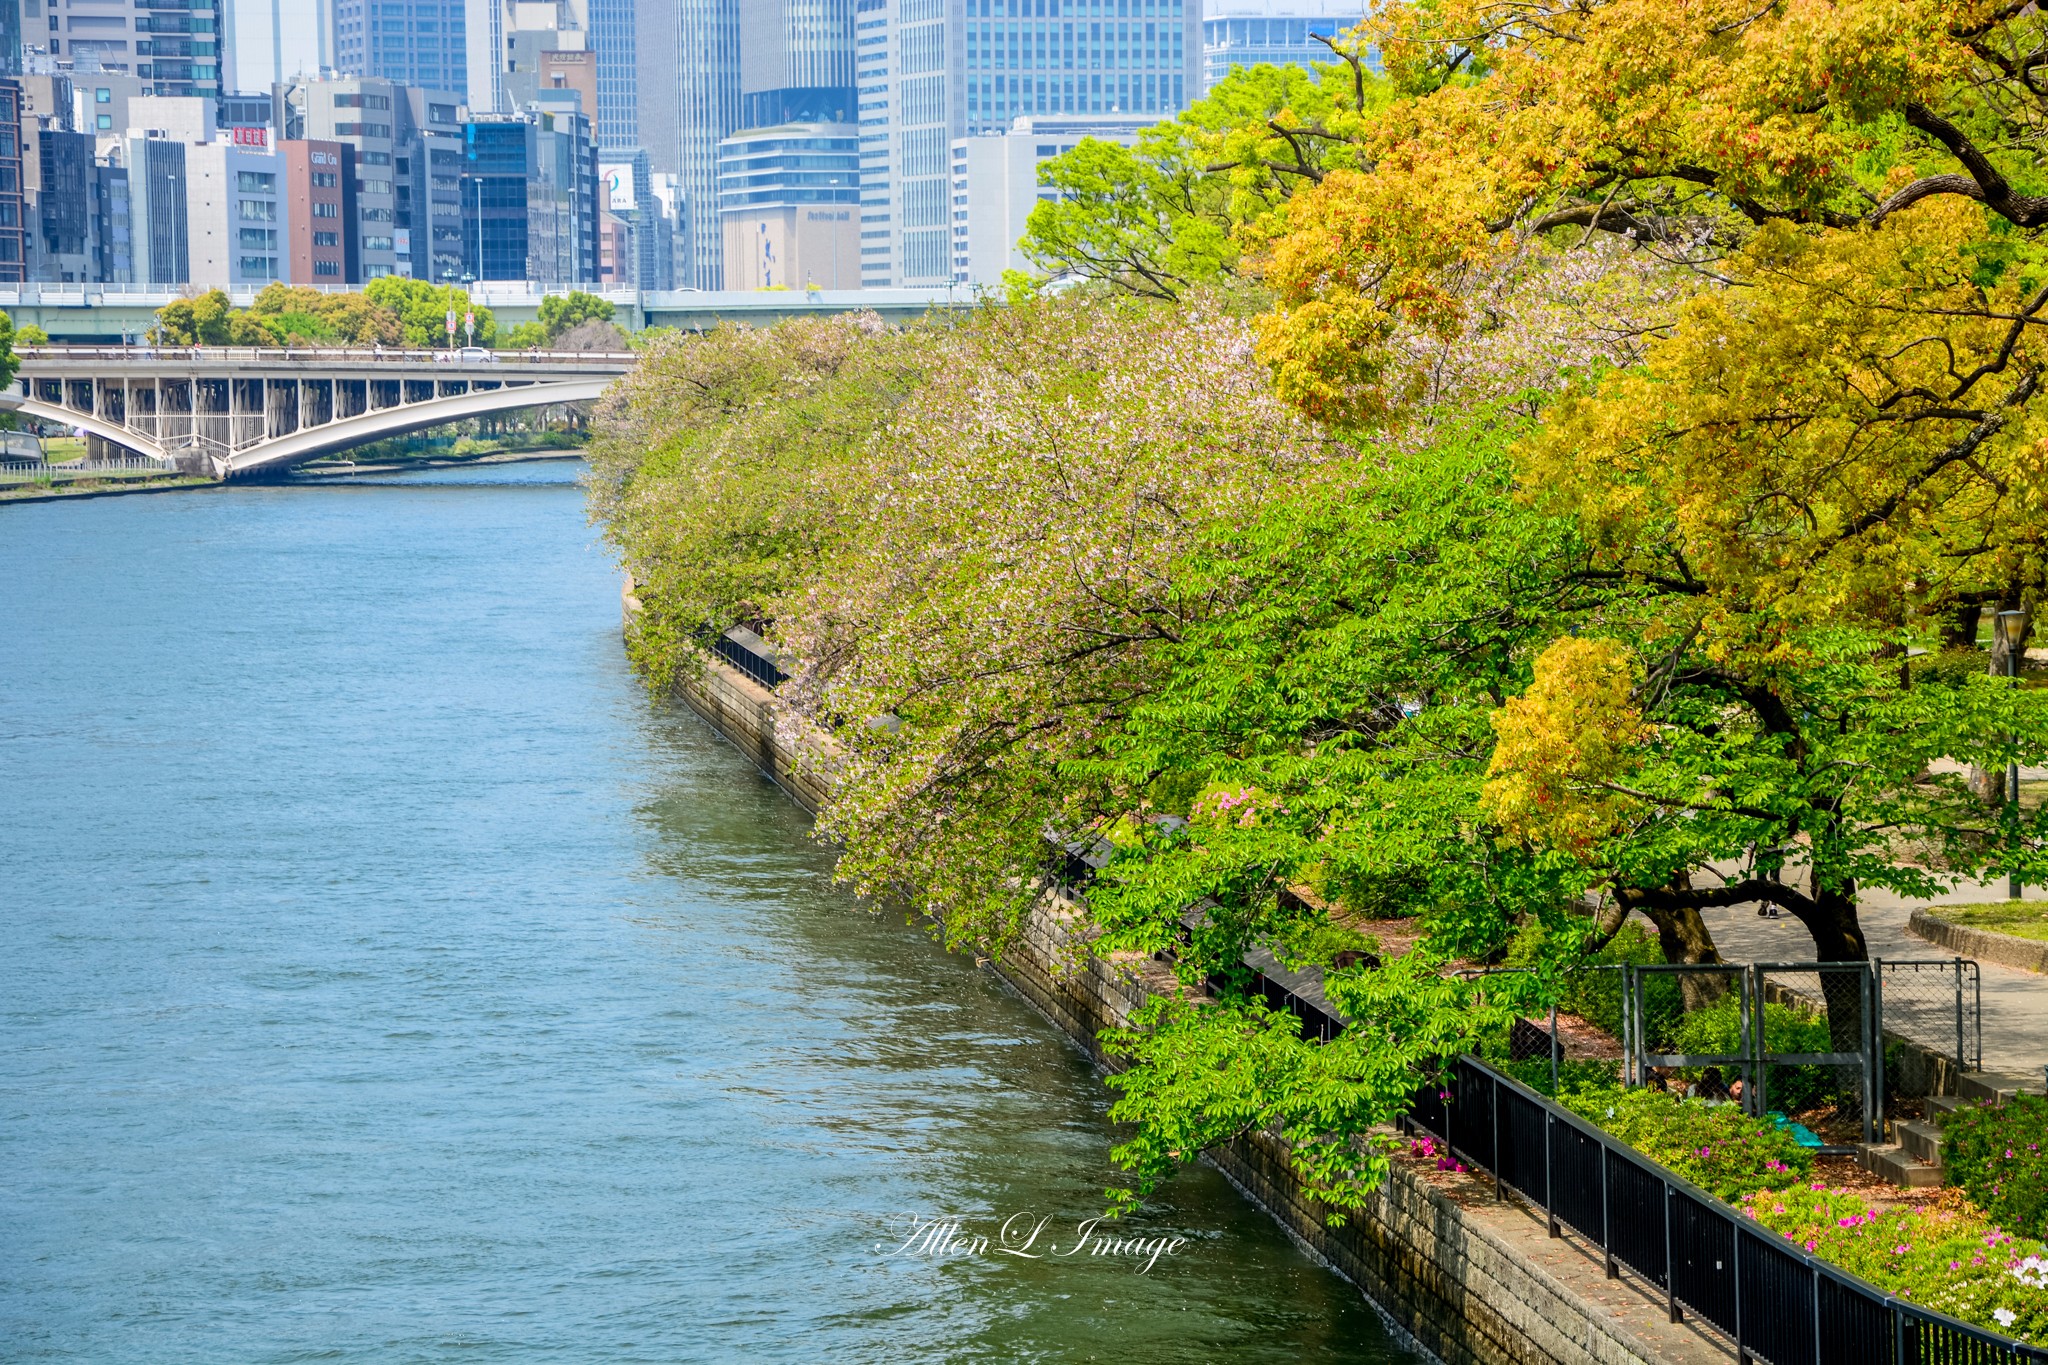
x=112 y=314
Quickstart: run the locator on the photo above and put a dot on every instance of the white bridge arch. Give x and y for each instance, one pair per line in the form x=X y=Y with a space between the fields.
x=227 y=411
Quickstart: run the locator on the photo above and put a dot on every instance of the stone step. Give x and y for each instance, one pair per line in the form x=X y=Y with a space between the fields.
x=1921 y=1140
x=1894 y=1163
x=1993 y=1087
x=1942 y=1104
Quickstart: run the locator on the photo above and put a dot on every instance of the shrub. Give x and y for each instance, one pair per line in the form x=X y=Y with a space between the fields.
x=1716 y=1146
x=1996 y=1156
x=1948 y=1256
x=1717 y=1030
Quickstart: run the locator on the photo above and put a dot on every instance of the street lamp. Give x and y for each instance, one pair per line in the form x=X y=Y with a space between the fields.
x=2010 y=625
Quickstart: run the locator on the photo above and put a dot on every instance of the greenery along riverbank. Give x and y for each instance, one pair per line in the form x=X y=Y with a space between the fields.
x=1495 y=495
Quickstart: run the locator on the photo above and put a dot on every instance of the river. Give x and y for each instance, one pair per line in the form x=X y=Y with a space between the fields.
x=387 y=977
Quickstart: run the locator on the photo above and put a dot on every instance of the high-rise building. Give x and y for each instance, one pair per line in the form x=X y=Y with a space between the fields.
x=313 y=241
x=1277 y=32
x=13 y=208
x=241 y=215
x=156 y=206
x=117 y=228
x=271 y=41
x=708 y=110
x=10 y=38
x=175 y=51
x=430 y=196
x=995 y=186
x=64 y=241
x=388 y=133
x=627 y=184
x=410 y=42
x=789 y=205
x=656 y=120
x=615 y=38
x=933 y=71
x=530 y=205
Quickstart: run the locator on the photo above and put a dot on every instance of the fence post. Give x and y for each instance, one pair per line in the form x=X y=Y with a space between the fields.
x=1898 y=1336
x=1873 y=1062
x=1816 y=1312
x=1759 y=1049
x=1959 y=1026
x=1735 y=1274
x=1549 y=1188
x=1556 y=1049
x=1500 y=1188
x=1606 y=1218
x=1670 y=1265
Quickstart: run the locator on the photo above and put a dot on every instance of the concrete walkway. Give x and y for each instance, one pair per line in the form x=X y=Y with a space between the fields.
x=2015 y=1002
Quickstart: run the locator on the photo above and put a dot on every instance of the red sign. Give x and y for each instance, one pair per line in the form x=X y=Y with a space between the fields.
x=252 y=137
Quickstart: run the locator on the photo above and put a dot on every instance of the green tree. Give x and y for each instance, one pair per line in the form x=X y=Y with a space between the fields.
x=31 y=335
x=9 y=361
x=1178 y=209
x=526 y=336
x=560 y=312
x=422 y=310
x=200 y=321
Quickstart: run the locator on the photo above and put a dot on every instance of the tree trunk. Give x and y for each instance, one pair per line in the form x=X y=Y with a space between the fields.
x=1684 y=937
x=1961 y=631
x=1838 y=937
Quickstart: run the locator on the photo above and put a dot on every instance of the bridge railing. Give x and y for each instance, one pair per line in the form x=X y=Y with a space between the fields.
x=351 y=355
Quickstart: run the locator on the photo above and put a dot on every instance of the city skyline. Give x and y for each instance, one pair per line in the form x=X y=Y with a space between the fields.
x=868 y=143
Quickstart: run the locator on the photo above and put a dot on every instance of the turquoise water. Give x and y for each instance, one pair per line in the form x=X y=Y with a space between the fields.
x=388 y=978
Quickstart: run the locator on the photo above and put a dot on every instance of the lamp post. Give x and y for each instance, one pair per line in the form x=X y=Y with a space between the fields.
x=2010 y=625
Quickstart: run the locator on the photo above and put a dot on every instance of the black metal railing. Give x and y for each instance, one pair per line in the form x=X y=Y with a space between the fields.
x=1776 y=1302
x=756 y=666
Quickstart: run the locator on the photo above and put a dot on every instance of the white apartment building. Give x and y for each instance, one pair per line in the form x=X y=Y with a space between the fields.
x=239 y=215
x=995 y=187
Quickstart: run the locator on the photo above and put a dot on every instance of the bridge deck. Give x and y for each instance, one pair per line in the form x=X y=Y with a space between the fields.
x=233 y=410
x=84 y=362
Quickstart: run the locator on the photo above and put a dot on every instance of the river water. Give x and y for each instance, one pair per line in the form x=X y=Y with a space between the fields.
x=387 y=978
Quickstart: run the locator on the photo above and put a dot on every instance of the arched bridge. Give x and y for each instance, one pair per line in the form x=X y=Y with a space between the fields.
x=228 y=411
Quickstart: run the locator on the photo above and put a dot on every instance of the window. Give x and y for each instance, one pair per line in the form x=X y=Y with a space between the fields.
x=440 y=113
x=327 y=267
x=327 y=210
x=256 y=182
x=258 y=211
x=103 y=122
x=326 y=239
x=371 y=243
x=373 y=187
x=102 y=96
x=259 y=265
x=325 y=180
x=262 y=239
x=375 y=158
x=378 y=216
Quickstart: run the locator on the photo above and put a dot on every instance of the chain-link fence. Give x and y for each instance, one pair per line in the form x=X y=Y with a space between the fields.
x=1817 y=1044
x=1933 y=1013
x=1818 y=1056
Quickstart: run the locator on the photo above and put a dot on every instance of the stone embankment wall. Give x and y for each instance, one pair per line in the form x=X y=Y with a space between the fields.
x=1473 y=1280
